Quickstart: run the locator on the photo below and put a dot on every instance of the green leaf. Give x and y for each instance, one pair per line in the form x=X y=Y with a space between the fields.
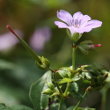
x=3 y=107
x=39 y=100
x=81 y=108
x=65 y=80
x=75 y=87
x=64 y=72
x=14 y=107
x=6 y=65
x=20 y=107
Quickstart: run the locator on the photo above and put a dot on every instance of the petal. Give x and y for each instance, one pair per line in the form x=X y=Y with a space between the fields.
x=60 y=24
x=93 y=24
x=72 y=30
x=88 y=26
x=82 y=30
x=64 y=16
x=77 y=15
x=85 y=19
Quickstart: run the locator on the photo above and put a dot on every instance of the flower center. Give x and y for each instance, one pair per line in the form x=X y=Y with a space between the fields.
x=75 y=22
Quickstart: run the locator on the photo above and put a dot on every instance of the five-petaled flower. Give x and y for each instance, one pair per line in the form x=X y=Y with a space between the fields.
x=78 y=23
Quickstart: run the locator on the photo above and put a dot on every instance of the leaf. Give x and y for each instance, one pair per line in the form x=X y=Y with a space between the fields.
x=75 y=87
x=65 y=80
x=6 y=65
x=14 y=107
x=20 y=107
x=81 y=108
x=39 y=100
x=3 y=107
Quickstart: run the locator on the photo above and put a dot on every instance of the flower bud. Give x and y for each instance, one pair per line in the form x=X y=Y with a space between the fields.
x=43 y=63
x=95 y=45
x=47 y=91
x=51 y=86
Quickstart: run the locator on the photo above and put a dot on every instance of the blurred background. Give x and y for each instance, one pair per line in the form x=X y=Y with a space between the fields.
x=34 y=21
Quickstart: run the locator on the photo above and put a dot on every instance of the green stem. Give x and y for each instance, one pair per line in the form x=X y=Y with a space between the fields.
x=77 y=105
x=104 y=97
x=73 y=57
x=60 y=104
x=26 y=46
x=66 y=90
x=55 y=82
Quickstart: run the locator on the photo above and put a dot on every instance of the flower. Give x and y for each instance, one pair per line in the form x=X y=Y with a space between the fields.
x=40 y=37
x=76 y=23
x=7 y=40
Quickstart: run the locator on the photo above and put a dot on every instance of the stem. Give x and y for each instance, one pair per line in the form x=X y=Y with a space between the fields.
x=73 y=57
x=26 y=46
x=49 y=104
x=66 y=90
x=77 y=105
x=60 y=104
x=104 y=101
x=104 y=97
x=54 y=77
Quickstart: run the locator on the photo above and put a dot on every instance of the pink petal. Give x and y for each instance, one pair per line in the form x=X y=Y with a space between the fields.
x=64 y=16
x=72 y=30
x=83 y=29
x=93 y=24
x=85 y=19
x=77 y=15
x=61 y=24
x=88 y=26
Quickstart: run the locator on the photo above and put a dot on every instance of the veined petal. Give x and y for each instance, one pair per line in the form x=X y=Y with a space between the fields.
x=93 y=24
x=85 y=19
x=78 y=15
x=61 y=24
x=64 y=16
x=88 y=26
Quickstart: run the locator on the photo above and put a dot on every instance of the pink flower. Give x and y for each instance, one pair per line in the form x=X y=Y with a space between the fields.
x=76 y=23
x=40 y=37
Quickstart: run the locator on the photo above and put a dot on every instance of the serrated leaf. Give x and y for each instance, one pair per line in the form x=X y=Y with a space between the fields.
x=39 y=100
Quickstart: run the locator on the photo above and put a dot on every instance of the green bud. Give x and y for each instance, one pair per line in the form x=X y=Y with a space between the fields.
x=47 y=91
x=51 y=86
x=65 y=72
x=87 y=75
x=43 y=63
x=82 y=68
